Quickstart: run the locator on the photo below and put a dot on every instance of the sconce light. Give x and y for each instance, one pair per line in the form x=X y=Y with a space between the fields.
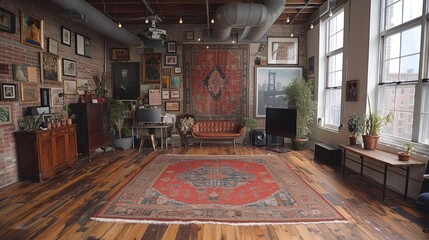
x=311 y=26
x=330 y=13
x=119 y=25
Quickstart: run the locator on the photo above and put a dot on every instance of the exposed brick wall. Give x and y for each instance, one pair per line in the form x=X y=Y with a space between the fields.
x=12 y=51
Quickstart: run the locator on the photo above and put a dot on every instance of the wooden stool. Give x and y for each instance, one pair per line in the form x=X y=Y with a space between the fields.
x=151 y=137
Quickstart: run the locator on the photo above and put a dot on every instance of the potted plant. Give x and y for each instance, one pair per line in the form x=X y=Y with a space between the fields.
x=374 y=121
x=405 y=155
x=117 y=114
x=299 y=95
x=250 y=124
x=355 y=127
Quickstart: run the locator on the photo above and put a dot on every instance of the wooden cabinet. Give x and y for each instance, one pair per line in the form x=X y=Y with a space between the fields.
x=92 y=129
x=43 y=153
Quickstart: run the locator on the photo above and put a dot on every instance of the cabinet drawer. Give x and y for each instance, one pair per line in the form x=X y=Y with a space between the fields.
x=43 y=135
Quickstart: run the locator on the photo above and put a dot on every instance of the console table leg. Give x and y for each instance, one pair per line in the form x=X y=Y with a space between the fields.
x=344 y=162
x=361 y=165
x=406 y=183
x=384 y=182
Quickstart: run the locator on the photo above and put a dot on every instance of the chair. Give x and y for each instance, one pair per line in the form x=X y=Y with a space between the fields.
x=423 y=198
x=151 y=137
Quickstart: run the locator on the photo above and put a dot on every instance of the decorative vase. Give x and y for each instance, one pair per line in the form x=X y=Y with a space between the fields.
x=370 y=142
x=403 y=156
x=352 y=140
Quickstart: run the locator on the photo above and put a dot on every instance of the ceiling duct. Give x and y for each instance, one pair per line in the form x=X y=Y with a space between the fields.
x=256 y=19
x=97 y=20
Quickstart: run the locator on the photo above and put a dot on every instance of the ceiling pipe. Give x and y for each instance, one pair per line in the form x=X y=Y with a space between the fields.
x=256 y=19
x=98 y=21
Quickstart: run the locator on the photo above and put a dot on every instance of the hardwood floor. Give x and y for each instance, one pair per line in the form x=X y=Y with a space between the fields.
x=60 y=208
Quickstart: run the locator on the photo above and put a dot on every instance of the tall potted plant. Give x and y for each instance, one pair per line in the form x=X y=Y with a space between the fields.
x=374 y=121
x=250 y=124
x=299 y=95
x=355 y=127
x=121 y=136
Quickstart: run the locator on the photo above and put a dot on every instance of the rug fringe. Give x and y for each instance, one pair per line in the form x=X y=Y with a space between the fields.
x=212 y=222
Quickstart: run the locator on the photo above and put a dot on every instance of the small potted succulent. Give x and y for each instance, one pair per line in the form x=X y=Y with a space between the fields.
x=355 y=126
x=405 y=155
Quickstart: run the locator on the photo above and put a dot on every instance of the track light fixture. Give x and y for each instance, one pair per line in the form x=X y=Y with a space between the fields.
x=287 y=19
x=311 y=26
x=212 y=21
x=330 y=13
x=180 y=19
x=146 y=21
x=291 y=35
x=119 y=25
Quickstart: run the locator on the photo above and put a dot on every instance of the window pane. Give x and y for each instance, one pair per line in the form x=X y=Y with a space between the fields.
x=410 y=41
x=412 y=9
x=393 y=15
x=333 y=106
x=424 y=117
x=392 y=46
x=390 y=71
x=410 y=68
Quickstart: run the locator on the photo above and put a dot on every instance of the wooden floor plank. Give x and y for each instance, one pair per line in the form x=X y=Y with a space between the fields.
x=61 y=208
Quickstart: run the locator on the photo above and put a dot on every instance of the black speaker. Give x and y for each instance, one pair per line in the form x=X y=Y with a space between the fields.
x=258 y=137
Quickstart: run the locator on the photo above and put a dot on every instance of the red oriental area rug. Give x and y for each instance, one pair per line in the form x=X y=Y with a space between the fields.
x=242 y=190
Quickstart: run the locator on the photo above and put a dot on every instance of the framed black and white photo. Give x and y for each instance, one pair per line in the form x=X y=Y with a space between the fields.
x=165 y=94
x=174 y=94
x=29 y=92
x=80 y=45
x=20 y=72
x=69 y=67
x=282 y=50
x=70 y=87
x=57 y=97
x=65 y=36
x=352 y=91
x=9 y=92
x=177 y=70
x=274 y=96
x=44 y=97
x=171 y=47
x=7 y=21
x=171 y=60
x=52 y=46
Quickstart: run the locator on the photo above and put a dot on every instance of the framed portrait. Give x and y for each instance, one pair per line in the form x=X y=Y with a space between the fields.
x=273 y=97
x=65 y=36
x=69 y=87
x=154 y=97
x=126 y=80
x=151 y=67
x=29 y=92
x=52 y=46
x=44 y=97
x=189 y=35
x=31 y=30
x=165 y=82
x=5 y=114
x=20 y=72
x=175 y=81
x=352 y=90
x=57 y=97
x=174 y=94
x=171 y=60
x=171 y=47
x=172 y=106
x=69 y=67
x=166 y=71
x=165 y=94
x=177 y=70
x=282 y=50
x=83 y=45
x=120 y=54
x=9 y=92
x=7 y=21
x=50 y=68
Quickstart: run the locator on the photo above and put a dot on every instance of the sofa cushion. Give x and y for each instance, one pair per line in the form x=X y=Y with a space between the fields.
x=217 y=129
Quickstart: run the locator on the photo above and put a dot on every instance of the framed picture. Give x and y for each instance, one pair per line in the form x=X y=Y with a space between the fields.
x=273 y=97
x=154 y=97
x=311 y=65
x=52 y=46
x=165 y=82
x=171 y=47
x=282 y=50
x=166 y=71
x=120 y=54
x=177 y=70
x=7 y=21
x=57 y=97
x=31 y=30
x=9 y=92
x=174 y=94
x=69 y=67
x=189 y=35
x=165 y=94
x=29 y=92
x=352 y=91
x=81 y=86
x=5 y=114
x=126 y=80
x=69 y=87
x=65 y=36
x=32 y=74
x=87 y=47
x=83 y=45
x=172 y=106
x=49 y=68
x=151 y=68
x=171 y=60
x=175 y=81
x=44 y=97
x=20 y=72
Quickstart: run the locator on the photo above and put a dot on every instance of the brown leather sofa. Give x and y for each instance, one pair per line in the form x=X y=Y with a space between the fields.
x=217 y=130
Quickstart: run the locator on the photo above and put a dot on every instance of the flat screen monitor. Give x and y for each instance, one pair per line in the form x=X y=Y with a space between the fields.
x=281 y=122
x=149 y=115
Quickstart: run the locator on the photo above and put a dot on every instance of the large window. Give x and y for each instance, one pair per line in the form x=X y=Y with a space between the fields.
x=334 y=69
x=403 y=89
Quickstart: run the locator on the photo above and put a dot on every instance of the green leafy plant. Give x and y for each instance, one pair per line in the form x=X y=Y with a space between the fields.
x=30 y=123
x=249 y=123
x=408 y=147
x=299 y=95
x=117 y=114
x=374 y=121
x=355 y=125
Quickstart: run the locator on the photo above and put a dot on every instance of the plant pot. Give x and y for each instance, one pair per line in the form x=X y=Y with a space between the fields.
x=69 y=121
x=352 y=140
x=370 y=142
x=403 y=156
x=123 y=143
x=49 y=125
x=63 y=122
x=58 y=124
x=299 y=143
